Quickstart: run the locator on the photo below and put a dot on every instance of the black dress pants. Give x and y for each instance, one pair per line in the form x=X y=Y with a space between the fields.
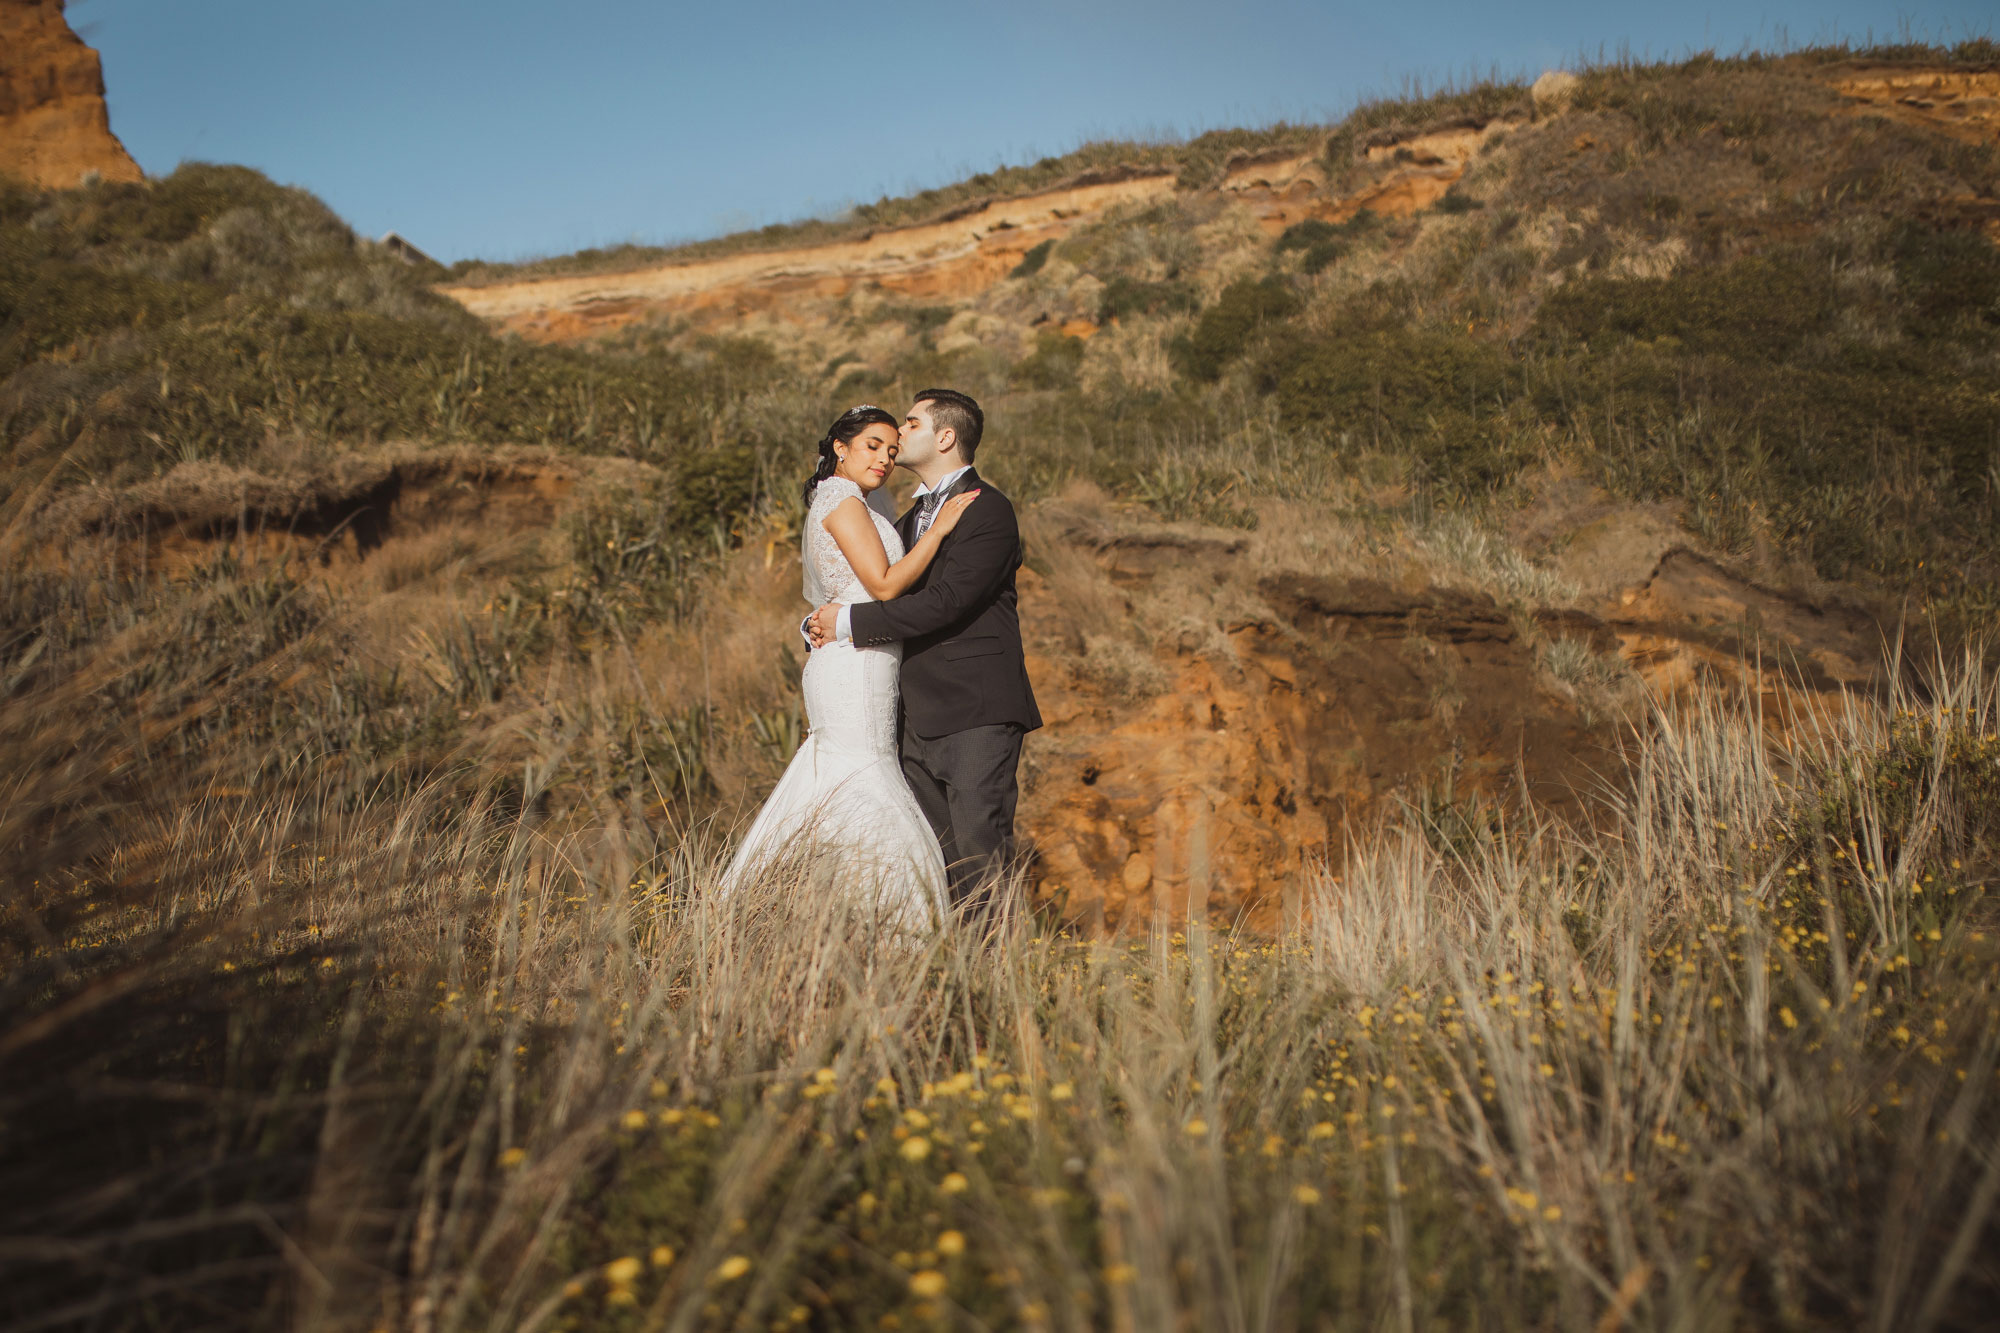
x=965 y=784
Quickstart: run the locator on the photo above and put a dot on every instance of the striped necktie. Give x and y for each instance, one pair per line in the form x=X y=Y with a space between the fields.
x=927 y=508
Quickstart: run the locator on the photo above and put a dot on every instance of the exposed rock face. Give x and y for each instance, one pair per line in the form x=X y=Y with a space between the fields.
x=1217 y=794
x=1963 y=103
x=955 y=258
x=54 y=129
x=1215 y=797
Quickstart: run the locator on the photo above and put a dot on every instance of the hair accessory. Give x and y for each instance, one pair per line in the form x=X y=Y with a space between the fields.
x=865 y=407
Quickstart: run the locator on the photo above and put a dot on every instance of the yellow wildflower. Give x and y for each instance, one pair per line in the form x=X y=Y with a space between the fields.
x=953 y=1184
x=633 y=1120
x=513 y=1157
x=1305 y=1194
x=927 y=1282
x=915 y=1148
x=620 y=1272
x=951 y=1243
x=662 y=1255
x=733 y=1267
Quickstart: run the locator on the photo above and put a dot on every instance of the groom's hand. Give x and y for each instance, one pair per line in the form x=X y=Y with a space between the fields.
x=822 y=624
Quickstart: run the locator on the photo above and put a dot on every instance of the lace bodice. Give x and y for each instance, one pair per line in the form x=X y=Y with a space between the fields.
x=828 y=576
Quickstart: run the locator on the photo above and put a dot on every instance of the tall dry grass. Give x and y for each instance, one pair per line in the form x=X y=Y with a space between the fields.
x=1727 y=1058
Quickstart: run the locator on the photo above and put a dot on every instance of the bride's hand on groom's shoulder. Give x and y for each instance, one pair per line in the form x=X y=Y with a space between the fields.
x=951 y=511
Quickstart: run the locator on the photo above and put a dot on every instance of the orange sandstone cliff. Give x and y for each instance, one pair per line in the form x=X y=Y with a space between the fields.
x=54 y=128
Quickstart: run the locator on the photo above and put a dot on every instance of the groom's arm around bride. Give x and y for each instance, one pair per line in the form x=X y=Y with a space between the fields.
x=960 y=626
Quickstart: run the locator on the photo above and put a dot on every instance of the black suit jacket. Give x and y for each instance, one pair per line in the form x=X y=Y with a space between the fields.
x=959 y=624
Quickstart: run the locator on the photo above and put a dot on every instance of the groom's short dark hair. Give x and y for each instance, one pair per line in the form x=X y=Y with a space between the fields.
x=950 y=408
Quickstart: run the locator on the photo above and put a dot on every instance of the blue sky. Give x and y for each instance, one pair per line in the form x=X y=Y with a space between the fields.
x=505 y=129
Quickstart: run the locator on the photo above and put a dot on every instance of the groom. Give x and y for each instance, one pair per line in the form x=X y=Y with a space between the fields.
x=965 y=693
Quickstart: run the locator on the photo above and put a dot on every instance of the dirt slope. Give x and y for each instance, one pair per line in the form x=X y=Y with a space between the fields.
x=952 y=259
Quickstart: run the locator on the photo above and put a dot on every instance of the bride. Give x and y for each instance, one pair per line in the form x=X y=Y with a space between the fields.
x=844 y=790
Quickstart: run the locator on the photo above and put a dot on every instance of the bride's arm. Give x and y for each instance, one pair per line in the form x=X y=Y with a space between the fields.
x=854 y=532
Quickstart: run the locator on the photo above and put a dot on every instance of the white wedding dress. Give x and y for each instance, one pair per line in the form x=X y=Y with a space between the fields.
x=844 y=790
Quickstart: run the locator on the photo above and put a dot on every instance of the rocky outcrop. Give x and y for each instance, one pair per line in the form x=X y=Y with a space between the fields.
x=1217 y=796
x=1218 y=786
x=54 y=129
x=1964 y=104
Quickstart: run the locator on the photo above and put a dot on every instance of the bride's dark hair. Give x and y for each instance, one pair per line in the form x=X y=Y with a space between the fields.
x=843 y=430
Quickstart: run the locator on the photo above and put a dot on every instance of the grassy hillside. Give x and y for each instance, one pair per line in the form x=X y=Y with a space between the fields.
x=376 y=693
x=1710 y=284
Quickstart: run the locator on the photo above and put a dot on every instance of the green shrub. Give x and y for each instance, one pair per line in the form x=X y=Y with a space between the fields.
x=1126 y=296
x=1950 y=281
x=58 y=303
x=1305 y=235
x=1325 y=243
x=1757 y=308
x=1225 y=329
x=1032 y=262
x=1441 y=396
x=924 y=321
x=173 y=208
x=1052 y=365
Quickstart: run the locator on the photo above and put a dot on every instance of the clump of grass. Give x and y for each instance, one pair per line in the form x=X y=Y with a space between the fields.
x=1464 y=551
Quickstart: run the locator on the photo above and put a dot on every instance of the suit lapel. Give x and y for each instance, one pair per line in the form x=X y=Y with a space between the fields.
x=968 y=480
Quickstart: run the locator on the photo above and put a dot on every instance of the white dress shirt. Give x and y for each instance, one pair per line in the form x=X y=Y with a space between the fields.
x=842 y=633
